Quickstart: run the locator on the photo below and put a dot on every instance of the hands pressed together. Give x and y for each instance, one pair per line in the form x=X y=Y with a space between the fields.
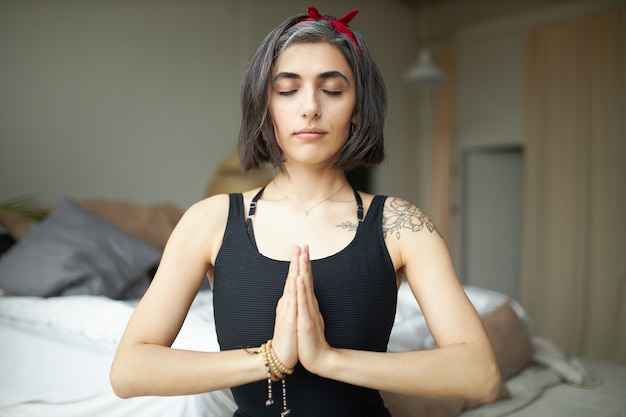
x=299 y=328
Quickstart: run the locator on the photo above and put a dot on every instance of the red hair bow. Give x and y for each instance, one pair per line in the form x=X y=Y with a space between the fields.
x=339 y=24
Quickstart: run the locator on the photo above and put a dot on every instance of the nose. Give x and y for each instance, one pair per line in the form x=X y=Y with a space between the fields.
x=311 y=107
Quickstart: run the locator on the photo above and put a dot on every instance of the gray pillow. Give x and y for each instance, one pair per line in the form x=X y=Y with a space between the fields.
x=73 y=251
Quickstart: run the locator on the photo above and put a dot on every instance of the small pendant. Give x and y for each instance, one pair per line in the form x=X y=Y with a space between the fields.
x=285 y=413
x=269 y=402
x=306 y=213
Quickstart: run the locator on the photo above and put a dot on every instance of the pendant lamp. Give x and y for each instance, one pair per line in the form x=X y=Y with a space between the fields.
x=424 y=73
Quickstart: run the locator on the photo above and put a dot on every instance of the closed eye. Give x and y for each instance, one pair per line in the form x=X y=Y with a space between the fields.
x=329 y=92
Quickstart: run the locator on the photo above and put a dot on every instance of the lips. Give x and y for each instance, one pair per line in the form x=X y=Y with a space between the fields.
x=310 y=133
x=309 y=130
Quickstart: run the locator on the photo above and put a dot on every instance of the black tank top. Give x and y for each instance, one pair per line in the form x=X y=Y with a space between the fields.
x=357 y=293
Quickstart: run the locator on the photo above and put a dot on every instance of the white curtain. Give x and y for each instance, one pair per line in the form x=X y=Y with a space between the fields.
x=574 y=246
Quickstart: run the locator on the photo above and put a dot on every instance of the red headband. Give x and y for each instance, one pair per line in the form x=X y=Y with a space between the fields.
x=339 y=24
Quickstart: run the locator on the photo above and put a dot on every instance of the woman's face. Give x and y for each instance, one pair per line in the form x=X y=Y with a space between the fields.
x=312 y=102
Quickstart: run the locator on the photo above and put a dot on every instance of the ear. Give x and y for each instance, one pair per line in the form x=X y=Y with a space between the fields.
x=355 y=117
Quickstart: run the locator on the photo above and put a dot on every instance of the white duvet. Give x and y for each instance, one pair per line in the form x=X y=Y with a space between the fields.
x=55 y=354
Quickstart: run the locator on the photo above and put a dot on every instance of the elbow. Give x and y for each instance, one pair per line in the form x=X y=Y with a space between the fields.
x=486 y=378
x=120 y=383
x=490 y=383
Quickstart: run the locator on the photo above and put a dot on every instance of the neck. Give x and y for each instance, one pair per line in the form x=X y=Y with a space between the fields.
x=307 y=192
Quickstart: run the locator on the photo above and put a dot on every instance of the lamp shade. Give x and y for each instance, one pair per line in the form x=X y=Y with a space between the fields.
x=424 y=71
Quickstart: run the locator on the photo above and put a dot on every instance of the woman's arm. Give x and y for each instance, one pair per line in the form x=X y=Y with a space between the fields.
x=145 y=363
x=463 y=363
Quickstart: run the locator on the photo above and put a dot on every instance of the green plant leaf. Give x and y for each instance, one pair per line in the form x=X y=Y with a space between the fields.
x=26 y=205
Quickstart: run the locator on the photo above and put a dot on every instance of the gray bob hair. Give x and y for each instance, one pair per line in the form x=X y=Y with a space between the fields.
x=257 y=141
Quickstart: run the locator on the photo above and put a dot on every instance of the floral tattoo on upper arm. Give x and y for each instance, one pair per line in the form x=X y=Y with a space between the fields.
x=399 y=214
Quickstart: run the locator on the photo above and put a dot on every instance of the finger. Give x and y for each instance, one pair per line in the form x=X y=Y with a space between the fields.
x=289 y=290
x=285 y=330
x=294 y=265
x=288 y=299
x=293 y=273
x=307 y=274
x=303 y=303
x=307 y=303
x=304 y=260
x=305 y=268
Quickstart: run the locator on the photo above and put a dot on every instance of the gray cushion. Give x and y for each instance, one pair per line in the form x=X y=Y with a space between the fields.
x=73 y=251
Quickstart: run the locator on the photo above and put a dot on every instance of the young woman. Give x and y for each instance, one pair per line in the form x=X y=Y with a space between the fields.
x=305 y=270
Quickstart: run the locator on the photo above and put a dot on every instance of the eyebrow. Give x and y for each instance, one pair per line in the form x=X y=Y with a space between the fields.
x=324 y=75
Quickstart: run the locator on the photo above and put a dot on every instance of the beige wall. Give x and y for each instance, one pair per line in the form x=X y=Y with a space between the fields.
x=490 y=117
x=139 y=100
x=117 y=99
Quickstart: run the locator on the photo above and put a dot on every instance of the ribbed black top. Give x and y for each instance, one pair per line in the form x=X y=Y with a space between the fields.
x=356 y=290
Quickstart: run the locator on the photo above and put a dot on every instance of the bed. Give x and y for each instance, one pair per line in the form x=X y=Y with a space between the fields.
x=71 y=282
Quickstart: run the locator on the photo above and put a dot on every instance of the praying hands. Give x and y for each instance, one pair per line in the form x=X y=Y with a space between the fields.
x=299 y=327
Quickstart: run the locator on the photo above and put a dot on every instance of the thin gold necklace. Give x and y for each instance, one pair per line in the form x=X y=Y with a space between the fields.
x=305 y=209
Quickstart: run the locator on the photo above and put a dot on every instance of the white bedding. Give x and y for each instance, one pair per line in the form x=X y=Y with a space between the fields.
x=56 y=354
x=606 y=400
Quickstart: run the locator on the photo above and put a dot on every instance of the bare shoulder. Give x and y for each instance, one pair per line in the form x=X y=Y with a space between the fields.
x=200 y=229
x=208 y=209
x=402 y=217
x=212 y=212
x=202 y=221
